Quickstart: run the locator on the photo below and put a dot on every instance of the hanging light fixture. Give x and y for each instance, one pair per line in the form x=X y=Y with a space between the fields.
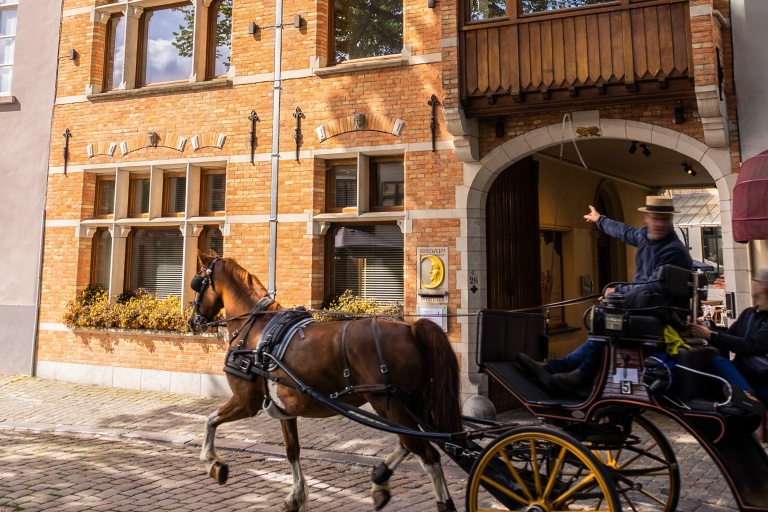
x=689 y=170
x=646 y=151
x=633 y=147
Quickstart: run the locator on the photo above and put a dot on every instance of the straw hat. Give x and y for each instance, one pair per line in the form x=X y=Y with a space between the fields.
x=659 y=204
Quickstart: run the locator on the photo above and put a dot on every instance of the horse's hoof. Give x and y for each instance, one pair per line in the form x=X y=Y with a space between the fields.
x=448 y=506
x=219 y=472
x=380 y=498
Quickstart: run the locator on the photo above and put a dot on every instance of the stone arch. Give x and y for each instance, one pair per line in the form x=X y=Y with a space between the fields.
x=480 y=175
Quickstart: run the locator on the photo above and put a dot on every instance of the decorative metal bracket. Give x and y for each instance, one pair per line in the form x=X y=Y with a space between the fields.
x=298 y=114
x=253 y=118
x=433 y=102
x=67 y=136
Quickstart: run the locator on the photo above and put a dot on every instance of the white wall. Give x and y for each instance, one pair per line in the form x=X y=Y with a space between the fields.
x=748 y=20
x=25 y=127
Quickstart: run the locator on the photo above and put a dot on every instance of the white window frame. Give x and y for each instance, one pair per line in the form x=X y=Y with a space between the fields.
x=12 y=5
x=133 y=11
x=191 y=223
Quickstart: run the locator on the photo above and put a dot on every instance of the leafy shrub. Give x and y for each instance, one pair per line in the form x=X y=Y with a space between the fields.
x=138 y=309
x=348 y=305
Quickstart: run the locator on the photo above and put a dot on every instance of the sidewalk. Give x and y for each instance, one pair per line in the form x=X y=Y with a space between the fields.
x=31 y=406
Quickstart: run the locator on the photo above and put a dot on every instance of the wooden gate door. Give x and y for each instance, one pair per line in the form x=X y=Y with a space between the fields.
x=512 y=237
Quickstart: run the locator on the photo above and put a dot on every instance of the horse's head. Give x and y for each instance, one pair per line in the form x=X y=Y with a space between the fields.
x=208 y=302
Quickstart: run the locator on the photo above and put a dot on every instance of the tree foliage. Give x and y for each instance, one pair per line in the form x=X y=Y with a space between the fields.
x=183 y=39
x=367 y=28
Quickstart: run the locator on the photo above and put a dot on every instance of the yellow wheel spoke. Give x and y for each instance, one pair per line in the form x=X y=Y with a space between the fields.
x=554 y=472
x=575 y=488
x=535 y=468
x=506 y=490
x=516 y=476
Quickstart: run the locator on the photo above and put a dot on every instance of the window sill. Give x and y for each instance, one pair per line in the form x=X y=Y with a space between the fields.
x=390 y=61
x=7 y=100
x=368 y=216
x=157 y=90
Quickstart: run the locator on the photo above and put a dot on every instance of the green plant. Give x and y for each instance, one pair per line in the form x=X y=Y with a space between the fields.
x=347 y=305
x=139 y=309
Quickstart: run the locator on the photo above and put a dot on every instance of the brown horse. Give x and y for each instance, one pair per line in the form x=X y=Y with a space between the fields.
x=418 y=357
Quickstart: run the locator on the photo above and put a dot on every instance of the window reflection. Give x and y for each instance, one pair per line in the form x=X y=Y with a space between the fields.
x=367 y=28
x=167 y=44
x=221 y=37
x=115 y=52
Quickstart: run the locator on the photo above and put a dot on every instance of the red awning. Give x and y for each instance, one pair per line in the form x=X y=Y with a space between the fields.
x=750 y=200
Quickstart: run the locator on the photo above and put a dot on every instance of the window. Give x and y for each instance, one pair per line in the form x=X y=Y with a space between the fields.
x=712 y=248
x=115 y=52
x=139 y=196
x=105 y=197
x=213 y=190
x=366 y=28
x=342 y=187
x=367 y=184
x=101 y=259
x=487 y=9
x=212 y=239
x=174 y=194
x=219 y=38
x=166 y=54
x=368 y=260
x=8 y=11
x=387 y=180
x=150 y=42
x=551 y=254
x=156 y=261
x=530 y=6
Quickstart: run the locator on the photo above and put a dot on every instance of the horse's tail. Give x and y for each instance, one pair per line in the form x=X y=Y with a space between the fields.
x=439 y=400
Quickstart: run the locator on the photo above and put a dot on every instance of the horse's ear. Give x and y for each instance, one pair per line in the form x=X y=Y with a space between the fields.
x=201 y=257
x=212 y=254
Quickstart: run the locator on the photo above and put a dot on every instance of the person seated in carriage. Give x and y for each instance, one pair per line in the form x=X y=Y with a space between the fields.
x=657 y=246
x=747 y=337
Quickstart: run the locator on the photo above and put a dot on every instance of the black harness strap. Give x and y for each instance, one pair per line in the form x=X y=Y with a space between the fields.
x=383 y=367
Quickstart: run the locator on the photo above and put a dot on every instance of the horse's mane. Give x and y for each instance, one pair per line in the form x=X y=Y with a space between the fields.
x=251 y=286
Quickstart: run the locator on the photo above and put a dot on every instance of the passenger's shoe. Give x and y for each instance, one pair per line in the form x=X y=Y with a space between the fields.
x=572 y=382
x=536 y=370
x=747 y=401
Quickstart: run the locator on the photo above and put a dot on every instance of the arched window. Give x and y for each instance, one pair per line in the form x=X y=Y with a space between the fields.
x=219 y=38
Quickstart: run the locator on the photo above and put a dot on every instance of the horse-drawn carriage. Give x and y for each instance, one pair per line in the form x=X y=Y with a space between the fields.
x=593 y=452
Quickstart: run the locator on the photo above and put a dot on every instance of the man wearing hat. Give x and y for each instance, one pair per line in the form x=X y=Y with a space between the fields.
x=657 y=245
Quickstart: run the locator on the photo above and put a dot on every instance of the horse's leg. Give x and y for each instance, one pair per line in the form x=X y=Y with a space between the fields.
x=297 y=499
x=381 y=474
x=429 y=458
x=215 y=465
x=427 y=454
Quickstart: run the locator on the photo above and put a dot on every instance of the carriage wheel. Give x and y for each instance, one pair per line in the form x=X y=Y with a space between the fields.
x=644 y=469
x=539 y=469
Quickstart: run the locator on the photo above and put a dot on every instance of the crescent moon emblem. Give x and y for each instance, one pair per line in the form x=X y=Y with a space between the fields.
x=436 y=271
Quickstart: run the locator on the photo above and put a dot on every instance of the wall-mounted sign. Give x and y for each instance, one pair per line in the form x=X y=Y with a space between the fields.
x=437 y=314
x=433 y=274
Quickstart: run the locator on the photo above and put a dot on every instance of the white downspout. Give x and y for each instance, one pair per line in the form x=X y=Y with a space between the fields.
x=276 y=88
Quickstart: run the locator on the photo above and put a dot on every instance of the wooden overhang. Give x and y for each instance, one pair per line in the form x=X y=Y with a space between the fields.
x=611 y=52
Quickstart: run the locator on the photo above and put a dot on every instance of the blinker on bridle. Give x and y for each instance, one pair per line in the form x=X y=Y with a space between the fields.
x=199 y=284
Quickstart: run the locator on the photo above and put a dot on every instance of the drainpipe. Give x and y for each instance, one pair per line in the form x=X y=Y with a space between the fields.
x=276 y=88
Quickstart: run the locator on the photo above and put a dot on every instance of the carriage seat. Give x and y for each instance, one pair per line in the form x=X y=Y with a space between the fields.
x=701 y=390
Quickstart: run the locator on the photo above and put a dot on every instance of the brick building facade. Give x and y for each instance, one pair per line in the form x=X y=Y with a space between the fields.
x=342 y=183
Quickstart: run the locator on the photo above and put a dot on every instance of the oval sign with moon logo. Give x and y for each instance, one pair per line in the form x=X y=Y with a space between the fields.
x=432 y=271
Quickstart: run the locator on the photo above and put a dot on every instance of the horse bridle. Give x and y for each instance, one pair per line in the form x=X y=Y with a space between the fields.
x=199 y=284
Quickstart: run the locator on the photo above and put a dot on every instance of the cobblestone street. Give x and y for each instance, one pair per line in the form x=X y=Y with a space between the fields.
x=72 y=447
